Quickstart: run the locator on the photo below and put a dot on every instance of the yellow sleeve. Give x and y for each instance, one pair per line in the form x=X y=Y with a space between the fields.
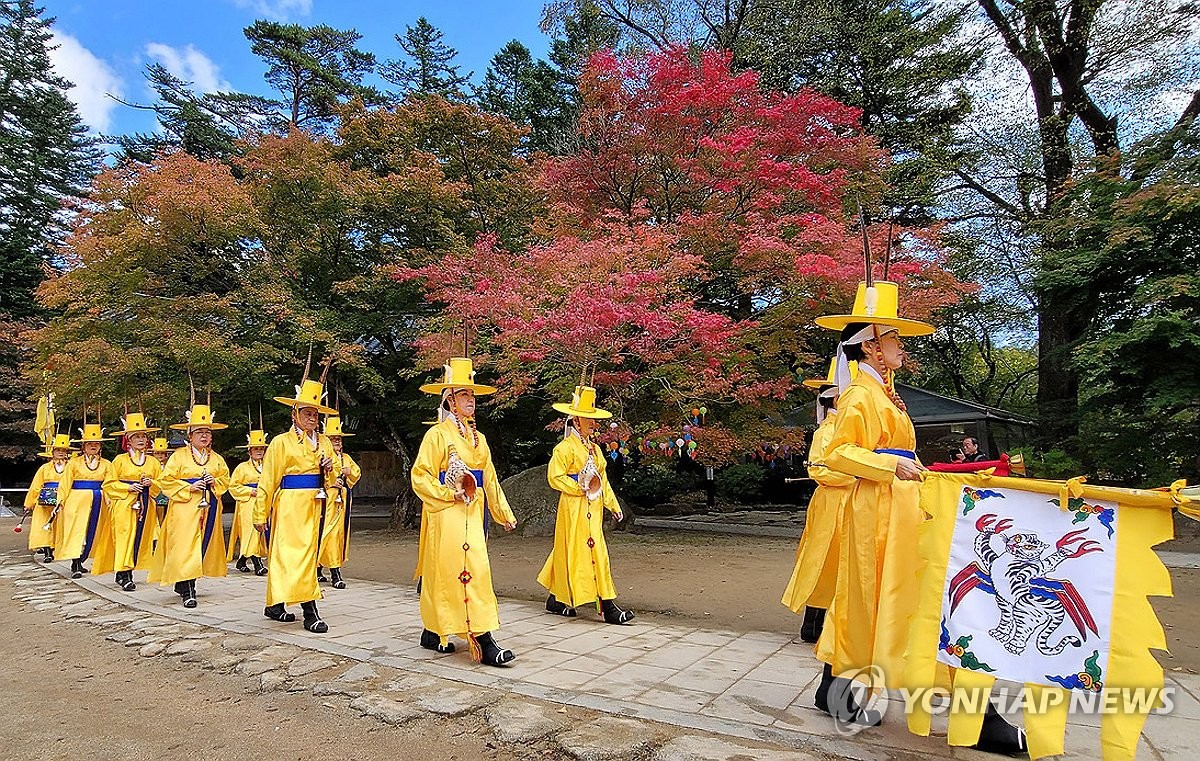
x=355 y=472
x=113 y=488
x=557 y=473
x=220 y=473
x=155 y=468
x=239 y=482
x=426 y=469
x=497 y=502
x=66 y=481
x=610 y=497
x=274 y=465
x=171 y=481
x=35 y=487
x=855 y=431
x=817 y=453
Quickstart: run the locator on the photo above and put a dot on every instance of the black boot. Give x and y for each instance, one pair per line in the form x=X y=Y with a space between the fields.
x=125 y=581
x=836 y=698
x=181 y=589
x=613 y=614
x=493 y=654
x=241 y=564
x=998 y=736
x=814 y=622
x=321 y=575
x=49 y=555
x=312 y=619
x=189 y=597
x=277 y=612
x=431 y=641
x=335 y=575
x=260 y=569
x=559 y=608
x=77 y=569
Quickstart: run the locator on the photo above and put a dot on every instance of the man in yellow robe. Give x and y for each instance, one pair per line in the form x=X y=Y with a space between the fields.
x=878 y=578
x=335 y=533
x=815 y=575
x=82 y=512
x=243 y=487
x=454 y=476
x=192 y=543
x=130 y=490
x=577 y=571
x=42 y=497
x=297 y=476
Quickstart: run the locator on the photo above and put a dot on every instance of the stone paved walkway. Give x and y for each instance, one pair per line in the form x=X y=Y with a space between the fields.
x=653 y=674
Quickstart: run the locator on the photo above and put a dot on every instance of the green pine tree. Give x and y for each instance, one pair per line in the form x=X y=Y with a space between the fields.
x=430 y=68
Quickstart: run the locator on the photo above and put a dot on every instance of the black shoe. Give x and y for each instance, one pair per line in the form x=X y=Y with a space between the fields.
x=181 y=588
x=321 y=575
x=125 y=581
x=431 y=641
x=277 y=612
x=77 y=569
x=312 y=619
x=998 y=736
x=814 y=623
x=493 y=654
x=260 y=568
x=335 y=575
x=189 y=599
x=614 y=614
x=836 y=698
x=558 y=608
x=49 y=556
x=241 y=564
x=39 y=551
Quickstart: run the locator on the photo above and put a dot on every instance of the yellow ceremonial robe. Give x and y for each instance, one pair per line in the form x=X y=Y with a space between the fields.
x=84 y=514
x=335 y=535
x=456 y=591
x=242 y=485
x=192 y=542
x=129 y=541
x=577 y=571
x=38 y=536
x=293 y=514
x=877 y=581
x=815 y=575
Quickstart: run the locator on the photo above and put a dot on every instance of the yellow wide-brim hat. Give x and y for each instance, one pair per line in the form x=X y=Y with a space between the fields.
x=459 y=375
x=831 y=379
x=310 y=393
x=90 y=432
x=135 y=422
x=60 y=441
x=333 y=427
x=582 y=404
x=254 y=439
x=876 y=305
x=199 y=416
x=160 y=446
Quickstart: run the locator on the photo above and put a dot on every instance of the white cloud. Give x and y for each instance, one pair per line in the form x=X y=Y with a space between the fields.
x=190 y=65
x=277 y=10
x=92 y=77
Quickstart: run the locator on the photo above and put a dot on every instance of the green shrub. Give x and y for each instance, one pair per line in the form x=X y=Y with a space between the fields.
x=741 y=483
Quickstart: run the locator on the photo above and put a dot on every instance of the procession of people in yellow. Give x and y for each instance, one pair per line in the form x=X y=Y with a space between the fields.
x=856 y=573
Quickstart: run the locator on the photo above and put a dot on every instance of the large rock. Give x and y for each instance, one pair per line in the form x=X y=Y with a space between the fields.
x=536 y=505
x=532 y=500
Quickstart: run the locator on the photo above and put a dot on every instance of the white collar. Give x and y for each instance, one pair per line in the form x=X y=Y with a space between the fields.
x=863 y=367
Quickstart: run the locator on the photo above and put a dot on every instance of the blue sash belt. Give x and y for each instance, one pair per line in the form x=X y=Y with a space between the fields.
x=301 y=481
x=487 y=516
x=210 y=520
x=144 y=501
x=48 y=492
x=93 y=516
x=898 y=452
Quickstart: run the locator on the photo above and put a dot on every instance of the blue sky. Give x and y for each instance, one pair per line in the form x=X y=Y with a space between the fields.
x=105 y=44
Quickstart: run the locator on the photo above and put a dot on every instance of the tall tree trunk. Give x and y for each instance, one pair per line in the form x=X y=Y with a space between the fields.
x=406 y=510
